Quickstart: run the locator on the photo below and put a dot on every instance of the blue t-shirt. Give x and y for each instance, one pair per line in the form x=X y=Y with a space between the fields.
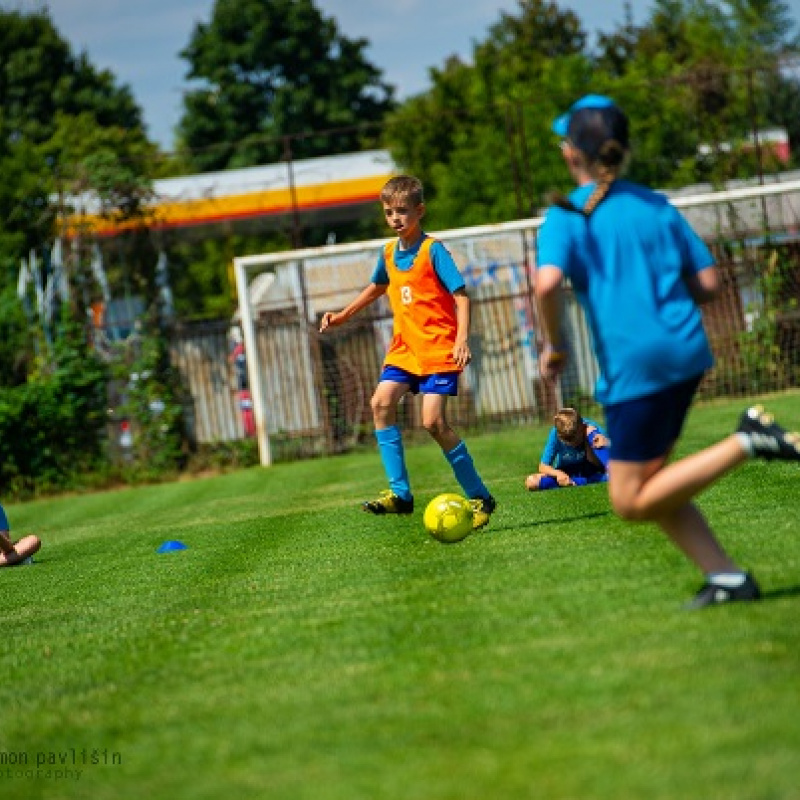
x=559 y=455
x=626 y=264
x=441 y=259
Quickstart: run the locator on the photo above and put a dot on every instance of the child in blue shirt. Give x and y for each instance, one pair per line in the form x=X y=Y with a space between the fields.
x=576 y=453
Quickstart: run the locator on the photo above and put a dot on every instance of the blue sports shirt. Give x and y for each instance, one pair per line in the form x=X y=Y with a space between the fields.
x=626 y=264
x=558 y=454
x=442 y=261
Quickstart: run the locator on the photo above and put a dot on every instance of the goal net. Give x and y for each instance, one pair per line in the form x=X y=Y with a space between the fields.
x=311 y=393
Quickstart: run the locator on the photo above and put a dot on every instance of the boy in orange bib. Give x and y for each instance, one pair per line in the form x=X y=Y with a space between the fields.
x=428 y=350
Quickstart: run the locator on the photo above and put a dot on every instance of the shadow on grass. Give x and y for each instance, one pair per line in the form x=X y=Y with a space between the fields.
x=775 y=594
x=537 y=523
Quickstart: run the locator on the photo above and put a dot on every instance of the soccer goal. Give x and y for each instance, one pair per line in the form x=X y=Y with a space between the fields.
x=310 y=393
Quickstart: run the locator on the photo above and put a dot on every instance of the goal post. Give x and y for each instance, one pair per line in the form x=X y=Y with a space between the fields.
x=333 y=274
x=245 y=268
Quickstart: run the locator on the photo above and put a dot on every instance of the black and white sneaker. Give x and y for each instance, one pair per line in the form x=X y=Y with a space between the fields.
x=769 y=440
x=713 y=594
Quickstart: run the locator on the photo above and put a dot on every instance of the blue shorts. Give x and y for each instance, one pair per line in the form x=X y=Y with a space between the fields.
x=647 y=427
x=582 y=469
x=3 y=520
x=438 y=383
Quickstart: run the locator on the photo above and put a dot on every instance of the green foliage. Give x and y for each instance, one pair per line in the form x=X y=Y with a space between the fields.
x=479 y=139
x=109 y=164
x=270 y=69
x=218 y=457
x=28 y=215
x=51 y=427
x=66 y=129
x=41 y=77
x=15 y=340
x=765 y=364
x=695 y=73
x=763 y=26
x=151 y=401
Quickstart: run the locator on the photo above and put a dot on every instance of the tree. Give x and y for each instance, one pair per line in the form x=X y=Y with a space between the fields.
x=473 y=137
x=765 y=26
x=27 y=220
x=273 y=69
x=43 y=90
x=65 y=128
x=41 y=76
x=701 y=75
x=695 y=73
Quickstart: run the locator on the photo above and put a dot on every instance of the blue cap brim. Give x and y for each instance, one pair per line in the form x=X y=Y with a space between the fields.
x=561 y=124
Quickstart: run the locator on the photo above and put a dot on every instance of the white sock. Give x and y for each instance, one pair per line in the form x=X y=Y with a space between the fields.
x=746 y=442
x=728 y=580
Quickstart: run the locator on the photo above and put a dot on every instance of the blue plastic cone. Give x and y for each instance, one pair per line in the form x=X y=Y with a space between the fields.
x=171 y=545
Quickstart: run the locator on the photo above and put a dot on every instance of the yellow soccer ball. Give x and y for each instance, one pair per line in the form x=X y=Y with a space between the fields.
x=448 y=518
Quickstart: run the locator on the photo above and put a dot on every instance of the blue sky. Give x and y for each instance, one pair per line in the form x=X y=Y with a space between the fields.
x=139 y=40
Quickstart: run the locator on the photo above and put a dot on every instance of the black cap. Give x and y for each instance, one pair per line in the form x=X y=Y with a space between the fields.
x=590 y=128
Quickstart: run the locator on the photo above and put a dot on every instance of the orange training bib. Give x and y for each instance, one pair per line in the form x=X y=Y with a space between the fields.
x=424 y=311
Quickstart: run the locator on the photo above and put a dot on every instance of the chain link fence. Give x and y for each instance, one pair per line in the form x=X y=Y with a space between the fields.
x=311 y=392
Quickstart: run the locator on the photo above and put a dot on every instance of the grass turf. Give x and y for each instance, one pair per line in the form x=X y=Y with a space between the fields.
x=303 y=649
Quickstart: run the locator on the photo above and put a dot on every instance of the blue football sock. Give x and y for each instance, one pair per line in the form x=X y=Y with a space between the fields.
x=579 y=481
x=390 y=444
x=547 y=482
x=465 y=472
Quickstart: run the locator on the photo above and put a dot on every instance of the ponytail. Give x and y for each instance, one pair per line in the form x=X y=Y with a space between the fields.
x=608 y=167
x=562 y=201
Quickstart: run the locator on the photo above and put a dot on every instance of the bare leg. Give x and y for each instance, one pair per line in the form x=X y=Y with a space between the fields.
x=532 y=481
x=652 y=490
x=384 y=403
x=660 y=493
x=690 y=533
x=434 y=420
x=19 y=551
x=540 y=483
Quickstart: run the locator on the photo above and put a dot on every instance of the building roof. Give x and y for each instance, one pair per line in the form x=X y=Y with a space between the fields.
x=309 y=185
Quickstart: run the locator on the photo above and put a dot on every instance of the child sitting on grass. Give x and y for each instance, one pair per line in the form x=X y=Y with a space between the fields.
x=576 y=453
x=12 y=553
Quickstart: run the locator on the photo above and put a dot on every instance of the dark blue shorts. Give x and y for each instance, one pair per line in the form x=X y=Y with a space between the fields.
x=646 y=428
x=438 y=383
x=583 y=469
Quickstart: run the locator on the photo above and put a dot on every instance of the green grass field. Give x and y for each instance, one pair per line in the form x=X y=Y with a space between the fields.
x=300 y=648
